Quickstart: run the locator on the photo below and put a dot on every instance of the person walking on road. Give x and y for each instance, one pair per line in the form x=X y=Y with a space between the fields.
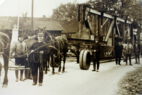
x=96 y=58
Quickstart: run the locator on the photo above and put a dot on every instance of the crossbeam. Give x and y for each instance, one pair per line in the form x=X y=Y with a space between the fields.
x=109 y=31
x=93 y=11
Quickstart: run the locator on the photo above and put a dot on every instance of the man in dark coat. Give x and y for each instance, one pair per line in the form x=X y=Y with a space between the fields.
x=96 y=59
x=118 y=53
x=36 y=59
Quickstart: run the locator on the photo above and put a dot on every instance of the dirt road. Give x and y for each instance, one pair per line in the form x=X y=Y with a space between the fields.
x=73 y=82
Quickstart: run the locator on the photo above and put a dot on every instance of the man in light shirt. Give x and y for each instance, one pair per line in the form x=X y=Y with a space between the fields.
x=19 y=51
x=129 y=49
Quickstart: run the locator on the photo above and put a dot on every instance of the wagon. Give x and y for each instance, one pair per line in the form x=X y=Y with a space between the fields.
x=96 y=26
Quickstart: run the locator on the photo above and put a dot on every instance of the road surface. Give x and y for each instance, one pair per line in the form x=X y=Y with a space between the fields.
x=73 y=82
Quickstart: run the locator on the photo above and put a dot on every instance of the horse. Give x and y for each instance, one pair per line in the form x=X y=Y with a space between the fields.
x=5 y=48
x=29 y=42
x=60 y=53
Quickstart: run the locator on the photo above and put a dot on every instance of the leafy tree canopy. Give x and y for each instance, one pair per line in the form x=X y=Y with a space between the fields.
x=65 y=12
x=130 y=9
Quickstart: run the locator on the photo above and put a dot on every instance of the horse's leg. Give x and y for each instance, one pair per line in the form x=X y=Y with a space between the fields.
x=48 y=64
x=59 y=70
x=52 y=64
x=64 y=61
x=45 y=66
x=6 y=61
x=53 y=70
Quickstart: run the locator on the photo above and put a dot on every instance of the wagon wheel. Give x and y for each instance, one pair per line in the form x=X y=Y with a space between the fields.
x=81 y=59
x=85 y=59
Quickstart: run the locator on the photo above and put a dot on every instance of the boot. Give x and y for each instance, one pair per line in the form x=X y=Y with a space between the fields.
x=94 y=67
x=34 y=80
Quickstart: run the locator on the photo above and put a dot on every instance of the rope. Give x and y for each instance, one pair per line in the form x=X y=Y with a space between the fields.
x=42 y=47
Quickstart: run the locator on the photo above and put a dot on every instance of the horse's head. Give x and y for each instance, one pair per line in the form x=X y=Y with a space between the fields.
x=62 y=43
x=48 y=37
x=4 y=40
x=30 y=41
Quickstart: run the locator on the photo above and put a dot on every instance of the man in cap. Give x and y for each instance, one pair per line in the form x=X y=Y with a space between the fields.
x=36 y=56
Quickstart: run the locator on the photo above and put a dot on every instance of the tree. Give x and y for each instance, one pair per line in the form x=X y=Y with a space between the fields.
x=122 y=8
x=65 y=12
x=126 y=9
x=104 y=5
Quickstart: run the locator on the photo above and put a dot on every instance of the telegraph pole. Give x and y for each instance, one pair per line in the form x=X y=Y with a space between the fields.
x=32 y=16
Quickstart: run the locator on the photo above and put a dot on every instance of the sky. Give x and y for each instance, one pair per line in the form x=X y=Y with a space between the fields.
x=41 y=7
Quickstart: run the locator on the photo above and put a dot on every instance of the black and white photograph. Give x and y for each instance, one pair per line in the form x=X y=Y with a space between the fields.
x=70 y=47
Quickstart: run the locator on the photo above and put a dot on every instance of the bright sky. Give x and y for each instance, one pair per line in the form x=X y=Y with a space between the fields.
x=41 y=7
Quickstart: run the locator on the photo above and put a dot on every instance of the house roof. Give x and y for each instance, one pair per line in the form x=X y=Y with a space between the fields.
x=47 y=25
x=7 y=23
x=39 y=23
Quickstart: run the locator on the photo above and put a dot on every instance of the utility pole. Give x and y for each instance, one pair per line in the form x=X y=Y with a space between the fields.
x=32 y=16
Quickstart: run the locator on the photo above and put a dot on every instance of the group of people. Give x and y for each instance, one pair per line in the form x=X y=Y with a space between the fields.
x=123 y=50
x=32 y=56
x=21 y=52
x=126 y=50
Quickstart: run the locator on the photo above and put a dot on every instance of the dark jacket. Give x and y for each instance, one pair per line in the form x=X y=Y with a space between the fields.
x=98 y=51
x=118 y=50
x=38 y=51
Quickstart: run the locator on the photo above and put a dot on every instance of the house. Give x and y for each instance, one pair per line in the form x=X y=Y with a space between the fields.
x=49 y=25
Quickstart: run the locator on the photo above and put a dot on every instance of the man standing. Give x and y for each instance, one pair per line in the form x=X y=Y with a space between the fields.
x=36 y=59
x=129 y=49
x=19 y=53
x=96 y=59
x=118 y=53
x=137 y=53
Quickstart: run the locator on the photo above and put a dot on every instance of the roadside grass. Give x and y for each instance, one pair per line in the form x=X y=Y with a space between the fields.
x=131 y=84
